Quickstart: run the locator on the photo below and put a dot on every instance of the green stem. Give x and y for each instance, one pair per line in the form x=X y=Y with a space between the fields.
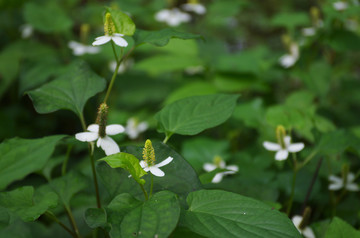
x=308 y=159
x=291 y=200
x=72 y=221
x=145 y=193
x=151 y=184
x=82 y=120
x=54 y=218
x=91 y=152
x=167 y=137
x=67 y=157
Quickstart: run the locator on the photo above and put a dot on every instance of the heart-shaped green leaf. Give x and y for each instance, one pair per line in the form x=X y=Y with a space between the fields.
x=95 y=217
x=192 y=115
x=123 y=23
x=215 y=213
x=28 y=207
x=69 y=91
x=340 y=229
x=20 y=157
x=128 y=162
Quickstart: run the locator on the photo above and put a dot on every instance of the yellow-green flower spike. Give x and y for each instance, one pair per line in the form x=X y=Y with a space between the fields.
x=280 y=135
x=109 y=26
x=149 y=153
x=84 y=32
x=217 y=160
x=315 y=14
x=101 y=119
x=193 y=1
x=344 y=172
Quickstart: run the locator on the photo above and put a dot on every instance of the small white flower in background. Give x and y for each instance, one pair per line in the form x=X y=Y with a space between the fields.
x=148 y=162
x=123 y=66
x=219 y=163
x=340 y=6
x=307 y=232
x=308 y=31
x=109 y=29
x=289 y=60
x=26 y=30
x=284 y=145
x=172 y=17
x=81 y=49
x=337 y=183
x=134 y=127
x=194 y=6
x=191 y=70
x=106 y=143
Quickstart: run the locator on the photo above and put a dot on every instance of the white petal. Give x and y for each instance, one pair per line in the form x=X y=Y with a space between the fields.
x=297 y=220
x=217 y=178
x=93 y=128
x=281 y=155
x=335 y=179
x=109 y=145
x=287 y=60
x=119 y=41
x=101 y=40
x=114 y=129
x=287 y=140
x=92 y=50
x=350 y=177
x=234 y=168
x=162 y=15
x=118 y=34
x=143 y=164
x=209 y=167
x=296 y=147
x=352 y=187
x=335 y=186
x=271 y=146
x=156 y=171
x=143 y=126
x=308 y=233
x=229 y=172
x=309 y=31
x=165 y=162
x=86 y=136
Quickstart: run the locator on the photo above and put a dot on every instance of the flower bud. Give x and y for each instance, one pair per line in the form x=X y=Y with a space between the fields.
x=280 y=135
x=109 y=26
x=102 y=119
x=149 y=153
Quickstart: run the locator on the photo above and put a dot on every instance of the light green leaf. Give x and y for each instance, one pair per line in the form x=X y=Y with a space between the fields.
x=20 y=157
x=123 y=23
x=95 y=217
x=215 y=213
x=23 y=202
x=128 y=162
x=156 y=217
x=337 y=142
x=340 y=229
x=69 y=91
x=252 y=113
x=161 y=37
x=291 y=20
x=47 y=18
x=190 y=116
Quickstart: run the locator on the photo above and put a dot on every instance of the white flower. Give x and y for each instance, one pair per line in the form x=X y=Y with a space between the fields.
x=26 y=30
x=81 y=49
x=340 y=6
x=308 y=31
x=194 y=7
x=191 y=70
x=134 y=128
x=307 y=232
x=289 y=60
x=282 y=153
x=116 y=37
x=219 y=163
x=173 y=17
x=154 y=169
x=338 y=183
x=106 y=143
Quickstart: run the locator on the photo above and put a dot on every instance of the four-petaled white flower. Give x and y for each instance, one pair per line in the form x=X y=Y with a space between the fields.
x=134 y=128
x=219 y=163
x=307 y=232
x=116 y=37
x=289 y=60
x=338 y=183
x=154 y=169
x=283 y=152
x=340 y=6
x=81 y=49
x=106 y=143
x=173 y=17
x=194 y=7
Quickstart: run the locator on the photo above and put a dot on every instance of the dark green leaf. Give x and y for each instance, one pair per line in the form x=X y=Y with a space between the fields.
x=27 y=206
x=216 y=213
x=69 y=91
x=123 y=23
x=190 y=116
x=95 y=217
x=340 y=229
x=20 y=157
x=161 y=37
x=157 y=217
x=128 y=162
